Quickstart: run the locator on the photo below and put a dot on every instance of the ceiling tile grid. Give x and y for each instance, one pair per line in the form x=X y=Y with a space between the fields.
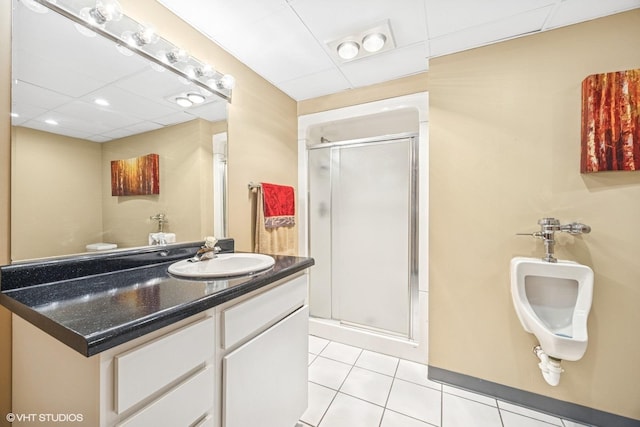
x=285 y=41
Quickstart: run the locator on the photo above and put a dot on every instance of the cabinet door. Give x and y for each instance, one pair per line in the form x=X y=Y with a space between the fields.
x=265 y=380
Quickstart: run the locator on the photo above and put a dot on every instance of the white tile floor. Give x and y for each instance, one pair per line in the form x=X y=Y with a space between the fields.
x=351 y=387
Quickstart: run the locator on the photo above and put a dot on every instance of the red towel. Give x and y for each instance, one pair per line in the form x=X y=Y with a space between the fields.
x=279 y=205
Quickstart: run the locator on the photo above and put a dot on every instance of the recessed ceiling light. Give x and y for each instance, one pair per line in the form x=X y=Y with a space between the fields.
x=373 y=42
x=101 y=101
x=51 y=122
x=348 y=49
x=183 y=102
x=14 y=115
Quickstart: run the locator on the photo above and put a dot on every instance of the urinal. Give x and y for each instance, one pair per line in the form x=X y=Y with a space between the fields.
x=552 y=301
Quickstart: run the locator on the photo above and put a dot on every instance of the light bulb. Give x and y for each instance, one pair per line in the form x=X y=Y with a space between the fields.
x=146 y=35
x=374 y=42
x=227 y=81
x=178 y=55
x=196 y=98
x=348 y=49
x=107 y=10
x=190 y=71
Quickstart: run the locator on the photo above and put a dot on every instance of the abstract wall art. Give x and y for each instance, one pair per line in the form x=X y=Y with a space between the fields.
x=611 y=122
x=135 y=177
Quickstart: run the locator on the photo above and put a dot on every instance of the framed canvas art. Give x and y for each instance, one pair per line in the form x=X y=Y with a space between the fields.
x=610 y=131
x=135 y=177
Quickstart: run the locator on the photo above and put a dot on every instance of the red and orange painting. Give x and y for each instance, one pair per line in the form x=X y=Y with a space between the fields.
x=611 y=122
x=135 y=177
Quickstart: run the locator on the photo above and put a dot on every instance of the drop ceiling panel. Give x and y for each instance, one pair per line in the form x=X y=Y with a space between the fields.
x=331 y=19
x=573 y=11
x=61 y=130
x=276 y=37
x=217 y=18
x=35 y=96
x=60 y=76
x=450 y=16
x=136 y=106
x=317 y=84
x=155 y=85
x=94 y=119
x=387 y=66
x=280 y=46
x=480 y=35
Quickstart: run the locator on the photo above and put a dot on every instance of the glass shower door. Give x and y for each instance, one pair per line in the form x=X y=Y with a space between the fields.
x=361 y=233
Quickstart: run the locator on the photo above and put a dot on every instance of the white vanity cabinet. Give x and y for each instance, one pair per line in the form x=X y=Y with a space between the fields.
x=239 y=364
x=166 y=378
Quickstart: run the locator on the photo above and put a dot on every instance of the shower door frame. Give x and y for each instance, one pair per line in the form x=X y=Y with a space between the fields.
x=413 y=223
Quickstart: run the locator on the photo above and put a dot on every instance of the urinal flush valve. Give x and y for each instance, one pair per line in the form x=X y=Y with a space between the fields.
x=548 y=227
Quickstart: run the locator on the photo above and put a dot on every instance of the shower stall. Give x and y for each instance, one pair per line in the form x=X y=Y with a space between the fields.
x=364 y=181
x=363 y=228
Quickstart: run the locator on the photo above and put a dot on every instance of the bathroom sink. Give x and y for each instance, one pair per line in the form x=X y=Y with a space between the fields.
x=223 y=265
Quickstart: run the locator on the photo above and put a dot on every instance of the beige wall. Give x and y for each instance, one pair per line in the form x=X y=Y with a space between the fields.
x=403 y=86
x=69 y=202
x=186 y=185
x=62 y=177
x=504 y=152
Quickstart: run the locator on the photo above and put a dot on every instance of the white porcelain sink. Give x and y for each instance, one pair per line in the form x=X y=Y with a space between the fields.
x=223 y=265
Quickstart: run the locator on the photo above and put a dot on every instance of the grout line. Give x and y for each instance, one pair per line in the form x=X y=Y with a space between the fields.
x=441 y=390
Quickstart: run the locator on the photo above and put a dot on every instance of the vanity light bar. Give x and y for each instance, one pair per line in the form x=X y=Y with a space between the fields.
x=159 y=52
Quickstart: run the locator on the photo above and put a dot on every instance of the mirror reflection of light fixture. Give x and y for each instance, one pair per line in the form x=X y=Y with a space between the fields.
x=104 y=11
x=183 y=102
x=196 y=98
x=107 y=19
x=227 y=82
x=348 y=49
x=146 y=35
x=175 y=56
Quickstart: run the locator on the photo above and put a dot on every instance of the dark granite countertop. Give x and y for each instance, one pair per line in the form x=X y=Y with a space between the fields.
x=134 y=296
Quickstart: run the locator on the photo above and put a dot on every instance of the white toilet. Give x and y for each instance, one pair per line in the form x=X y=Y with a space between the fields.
x=552 y=300
x=100 y=246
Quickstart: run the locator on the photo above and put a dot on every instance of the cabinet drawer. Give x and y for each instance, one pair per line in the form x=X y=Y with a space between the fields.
x=144 y=370
x=244 y=319
x=182 y=406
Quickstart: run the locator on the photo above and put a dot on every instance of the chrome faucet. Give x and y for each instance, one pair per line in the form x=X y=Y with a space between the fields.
x=548 y=227
x=207 y=251
x=162 y=220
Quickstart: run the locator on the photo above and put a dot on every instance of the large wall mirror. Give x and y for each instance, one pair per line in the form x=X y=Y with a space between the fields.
x=79 y=103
